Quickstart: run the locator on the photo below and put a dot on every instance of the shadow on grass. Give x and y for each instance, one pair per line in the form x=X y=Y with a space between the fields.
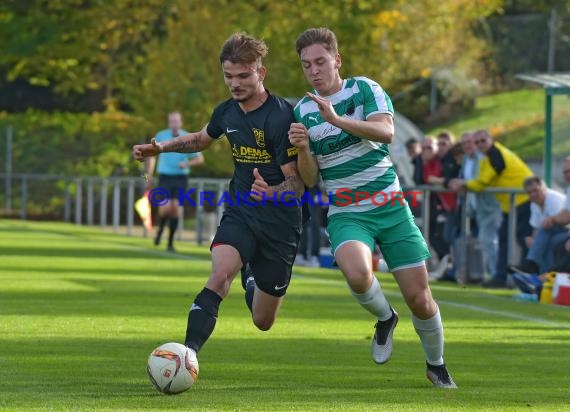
x=86 y=252
x=151 y=296
x=147 y=270
x=255 y=373
x=156 y=299
x=88 y=234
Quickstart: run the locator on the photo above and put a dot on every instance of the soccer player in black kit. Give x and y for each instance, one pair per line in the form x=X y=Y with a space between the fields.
x=260 y=240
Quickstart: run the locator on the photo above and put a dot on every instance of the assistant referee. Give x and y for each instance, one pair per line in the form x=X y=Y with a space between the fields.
x=173 y=171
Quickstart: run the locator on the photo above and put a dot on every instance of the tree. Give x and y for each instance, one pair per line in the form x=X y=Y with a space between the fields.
x=151 y=56
x=77 y=45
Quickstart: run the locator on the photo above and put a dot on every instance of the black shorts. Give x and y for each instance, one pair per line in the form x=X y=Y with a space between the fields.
x=268 y=245
x=173 y=183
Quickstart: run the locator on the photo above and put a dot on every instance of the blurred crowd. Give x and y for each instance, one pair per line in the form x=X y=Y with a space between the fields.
x=469 y=166
x=460 y=170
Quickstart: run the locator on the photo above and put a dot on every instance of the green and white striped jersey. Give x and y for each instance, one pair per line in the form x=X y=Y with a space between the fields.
x=349 y=164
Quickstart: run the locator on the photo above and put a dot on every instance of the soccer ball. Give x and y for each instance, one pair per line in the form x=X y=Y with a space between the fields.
x=172 y=368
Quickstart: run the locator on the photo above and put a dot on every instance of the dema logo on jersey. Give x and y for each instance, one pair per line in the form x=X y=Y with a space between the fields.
x=249 y=154
x=246 y=154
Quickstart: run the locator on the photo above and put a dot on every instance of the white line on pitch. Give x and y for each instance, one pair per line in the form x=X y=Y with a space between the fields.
x=473 y=308
x=505 y=314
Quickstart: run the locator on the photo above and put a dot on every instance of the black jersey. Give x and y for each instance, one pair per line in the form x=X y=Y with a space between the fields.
x=258 y=139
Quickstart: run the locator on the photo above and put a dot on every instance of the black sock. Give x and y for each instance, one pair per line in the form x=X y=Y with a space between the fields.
x=246 y=273
x=202 y=319
x=161 y=224
x=249 y=296
x=534 y=267
x=173 y=225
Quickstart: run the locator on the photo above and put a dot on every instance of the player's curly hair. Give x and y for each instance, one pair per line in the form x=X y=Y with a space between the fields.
x=243 y=48
x=321 y=35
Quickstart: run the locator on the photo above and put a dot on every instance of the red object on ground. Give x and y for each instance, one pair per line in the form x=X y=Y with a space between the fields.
x=563 y=297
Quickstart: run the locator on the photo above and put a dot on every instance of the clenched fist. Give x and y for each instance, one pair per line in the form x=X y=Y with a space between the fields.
x=299 y=135
x=140 y=151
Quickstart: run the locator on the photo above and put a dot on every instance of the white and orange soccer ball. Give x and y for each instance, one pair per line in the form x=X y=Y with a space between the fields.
x=172 y=368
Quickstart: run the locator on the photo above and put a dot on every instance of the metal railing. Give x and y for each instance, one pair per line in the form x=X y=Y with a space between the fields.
x=86 y=200
x=513 y=248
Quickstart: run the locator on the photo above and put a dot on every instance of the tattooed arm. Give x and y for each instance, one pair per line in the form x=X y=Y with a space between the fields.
x=292 y=181
x=191 y=142
x=291 y=184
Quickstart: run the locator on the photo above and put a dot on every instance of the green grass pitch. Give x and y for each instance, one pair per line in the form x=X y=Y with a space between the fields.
x=80 y=311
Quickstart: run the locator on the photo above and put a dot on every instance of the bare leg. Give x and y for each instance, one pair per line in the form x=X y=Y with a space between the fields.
x=265 y=309
x=413 y=283
x=355 y=260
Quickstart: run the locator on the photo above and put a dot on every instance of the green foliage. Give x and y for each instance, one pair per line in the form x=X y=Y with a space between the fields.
x=74 y=45
x=493 y=110
x=152 y=57
x=533 y=6
x=398 y=45
x=97 y=144
x=74 y=144
x=516 y=119
x=519 y=40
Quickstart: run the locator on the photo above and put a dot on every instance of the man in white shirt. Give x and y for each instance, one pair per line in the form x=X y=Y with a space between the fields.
x=562 y=219
x=545 y=203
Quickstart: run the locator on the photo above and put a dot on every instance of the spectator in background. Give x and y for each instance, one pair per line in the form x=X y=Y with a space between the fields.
x=503 y=169
x=453 y=228
x=405 y=168
x=310 y=245
x=173 y=171
x=414 y=169
x=432 y=172
x=532 y=282
x=545 y=203
x=447 y=200
x=414 y=149
x=443 y=168
x=562 y=257
x=563 y=217
x=450 y=169
x=458 y=155
x=481 y=206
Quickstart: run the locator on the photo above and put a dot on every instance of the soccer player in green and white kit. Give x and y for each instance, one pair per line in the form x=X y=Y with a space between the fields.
x=343 y=131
